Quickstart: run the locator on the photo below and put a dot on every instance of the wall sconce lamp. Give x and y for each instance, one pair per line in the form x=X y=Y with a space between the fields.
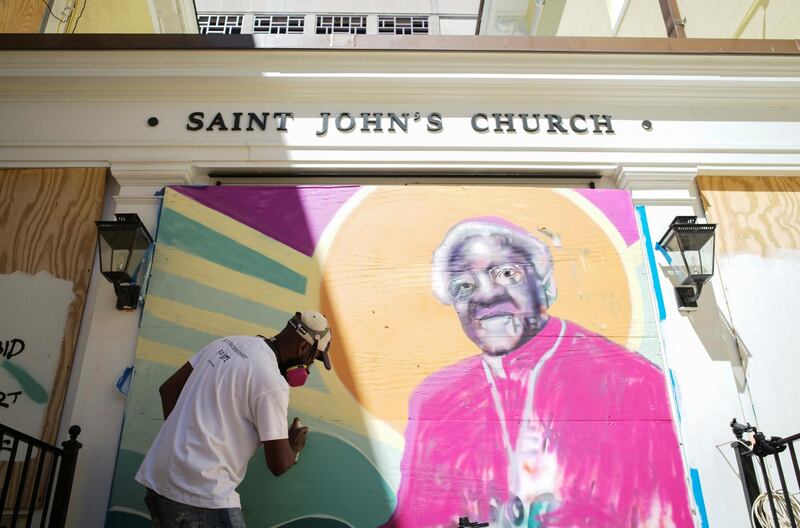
x=690 y=247
x=123 y=244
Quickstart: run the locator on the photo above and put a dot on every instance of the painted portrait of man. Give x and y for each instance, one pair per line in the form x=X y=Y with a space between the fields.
x=550 y=424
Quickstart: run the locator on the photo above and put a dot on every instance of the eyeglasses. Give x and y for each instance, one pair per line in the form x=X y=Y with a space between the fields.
x=464 y=286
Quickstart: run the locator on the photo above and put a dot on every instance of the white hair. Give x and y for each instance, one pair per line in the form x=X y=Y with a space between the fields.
x=537 y=252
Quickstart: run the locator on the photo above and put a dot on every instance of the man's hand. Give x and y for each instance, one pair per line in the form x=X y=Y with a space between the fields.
x=297 y=435
x=282 y=454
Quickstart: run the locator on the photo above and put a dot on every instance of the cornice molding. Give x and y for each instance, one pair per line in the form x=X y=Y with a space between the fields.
x=659 y=185
x=139 y=182
x=633 y=178
x=303 y=75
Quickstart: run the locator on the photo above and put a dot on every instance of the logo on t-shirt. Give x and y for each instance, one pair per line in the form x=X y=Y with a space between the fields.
x=235 y=348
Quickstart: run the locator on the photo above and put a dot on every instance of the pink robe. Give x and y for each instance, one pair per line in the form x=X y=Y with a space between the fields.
x=595 y=448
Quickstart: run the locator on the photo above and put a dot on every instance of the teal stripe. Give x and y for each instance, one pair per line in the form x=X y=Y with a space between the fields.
x=187 y=235
x=173 y=335
x=186 y=291
x=170 y=334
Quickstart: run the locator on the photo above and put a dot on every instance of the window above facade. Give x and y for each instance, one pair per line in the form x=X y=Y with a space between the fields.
x=403 y=25
x=220 y=24
x=279 y=24
x=352 y=24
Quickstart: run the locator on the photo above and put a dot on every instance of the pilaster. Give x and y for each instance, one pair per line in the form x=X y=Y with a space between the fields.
x=140 y=185
x=660 y=185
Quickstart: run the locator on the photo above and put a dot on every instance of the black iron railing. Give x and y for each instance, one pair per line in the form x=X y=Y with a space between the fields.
x=783 y=508
x=36 y=479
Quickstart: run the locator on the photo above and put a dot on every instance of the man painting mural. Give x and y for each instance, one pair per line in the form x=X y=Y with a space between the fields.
x=230 y=398
x=550 y=425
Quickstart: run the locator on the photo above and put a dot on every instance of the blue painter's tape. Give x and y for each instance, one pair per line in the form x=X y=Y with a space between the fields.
x=697 y=491
x=651 y=259
x=123 y=383
x=664 y=252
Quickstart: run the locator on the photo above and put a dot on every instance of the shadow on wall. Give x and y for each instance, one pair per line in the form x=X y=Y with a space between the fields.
x=719 y=338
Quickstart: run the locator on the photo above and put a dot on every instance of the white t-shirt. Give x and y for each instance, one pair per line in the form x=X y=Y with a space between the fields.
x=234 y=399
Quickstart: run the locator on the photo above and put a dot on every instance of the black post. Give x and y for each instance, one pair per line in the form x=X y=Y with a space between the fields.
x=769 y=491
x=747 y=474
x=66 y=471
x=786 y=496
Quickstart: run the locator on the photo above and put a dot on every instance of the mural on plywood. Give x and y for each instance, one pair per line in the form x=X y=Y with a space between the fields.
x=495 y=354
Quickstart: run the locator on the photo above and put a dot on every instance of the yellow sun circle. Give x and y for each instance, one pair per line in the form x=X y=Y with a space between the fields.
x=391 y=332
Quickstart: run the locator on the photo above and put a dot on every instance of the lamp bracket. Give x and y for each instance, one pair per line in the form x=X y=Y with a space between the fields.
x=687 y=296
x=127 y=296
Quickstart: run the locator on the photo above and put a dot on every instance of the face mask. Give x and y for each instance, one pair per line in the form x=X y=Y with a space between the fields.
x=296 y=377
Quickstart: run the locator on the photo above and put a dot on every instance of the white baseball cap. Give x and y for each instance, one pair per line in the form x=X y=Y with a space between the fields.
x=313 y=327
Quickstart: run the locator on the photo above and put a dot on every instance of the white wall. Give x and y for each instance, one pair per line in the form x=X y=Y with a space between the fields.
x=457 y=26
x=763 y=295
x=703 y=366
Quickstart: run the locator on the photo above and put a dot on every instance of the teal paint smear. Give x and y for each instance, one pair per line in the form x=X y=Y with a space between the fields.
x=675 y=394
x=29 y=385
x=187 y=235
x=331 y=479
x=186 y=291
x=651 y=259
x=697 y=491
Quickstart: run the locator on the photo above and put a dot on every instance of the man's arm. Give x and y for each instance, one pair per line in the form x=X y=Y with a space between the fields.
x=171 y=389
x=282 y=454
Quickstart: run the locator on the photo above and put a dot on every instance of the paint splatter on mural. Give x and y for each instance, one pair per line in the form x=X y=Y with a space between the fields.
x=479 y=370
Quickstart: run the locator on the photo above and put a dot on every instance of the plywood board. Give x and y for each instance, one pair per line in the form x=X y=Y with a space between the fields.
x=757 y=215
x=21 y=16
x=48 y=238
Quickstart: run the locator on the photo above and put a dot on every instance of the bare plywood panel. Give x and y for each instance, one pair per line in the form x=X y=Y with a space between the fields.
x=757 y=216
x=21 y=16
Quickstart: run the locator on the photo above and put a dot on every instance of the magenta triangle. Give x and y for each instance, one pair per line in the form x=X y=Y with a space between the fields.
x=293 y=215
